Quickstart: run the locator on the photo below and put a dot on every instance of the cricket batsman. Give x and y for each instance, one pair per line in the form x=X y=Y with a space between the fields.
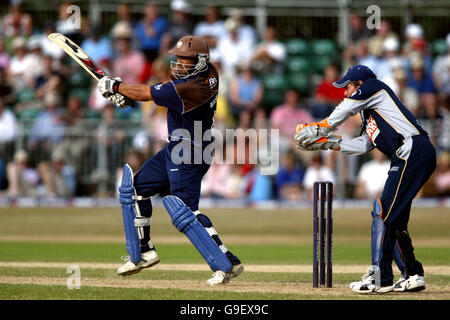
x=390 y=127
x=190 y=96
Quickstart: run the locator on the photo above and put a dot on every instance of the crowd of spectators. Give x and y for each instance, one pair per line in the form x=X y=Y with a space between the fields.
x=54 y=125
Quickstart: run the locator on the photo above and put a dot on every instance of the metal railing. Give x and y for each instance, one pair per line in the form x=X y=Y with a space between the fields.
x=96 y=151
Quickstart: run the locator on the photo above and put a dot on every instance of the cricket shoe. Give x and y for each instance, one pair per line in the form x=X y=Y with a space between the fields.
x=368 y=275
x=411 y=284
x=368 y=286
x=148 y=259
x=221 y=277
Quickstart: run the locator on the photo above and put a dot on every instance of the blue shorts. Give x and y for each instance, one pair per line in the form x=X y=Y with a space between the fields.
x=159 y=173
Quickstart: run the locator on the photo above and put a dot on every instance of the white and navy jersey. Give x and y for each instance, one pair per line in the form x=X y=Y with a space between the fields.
x=386 y=122
x=189 y=100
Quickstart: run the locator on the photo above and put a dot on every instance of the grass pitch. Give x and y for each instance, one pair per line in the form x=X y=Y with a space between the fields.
x=37 y=245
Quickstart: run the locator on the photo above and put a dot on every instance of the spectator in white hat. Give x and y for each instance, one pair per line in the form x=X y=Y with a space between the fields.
x=19 y=66
x=16 y=22
x=382 y=34
x=441 y=71
x=36 y=62
x=416 y=46
x=129 y=62
x=212 y=30
x=22 y=179
x=179 y=26
x=270 y=54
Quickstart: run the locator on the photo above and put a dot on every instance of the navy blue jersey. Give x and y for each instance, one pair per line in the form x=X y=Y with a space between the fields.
x=386 y=122
x=188 y=101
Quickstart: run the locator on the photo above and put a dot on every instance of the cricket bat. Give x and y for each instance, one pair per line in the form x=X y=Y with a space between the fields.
x=82 y=58
x=77 y=54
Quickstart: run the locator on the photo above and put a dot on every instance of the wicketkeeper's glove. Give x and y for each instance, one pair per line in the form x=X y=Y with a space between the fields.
x=323 y=143
x=307 y=133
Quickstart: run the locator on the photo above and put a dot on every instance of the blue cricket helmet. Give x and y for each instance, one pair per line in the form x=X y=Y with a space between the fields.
x=355 y=73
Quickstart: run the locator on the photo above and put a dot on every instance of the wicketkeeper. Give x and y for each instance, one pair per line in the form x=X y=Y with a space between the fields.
x=390 y=127
x=190 y=96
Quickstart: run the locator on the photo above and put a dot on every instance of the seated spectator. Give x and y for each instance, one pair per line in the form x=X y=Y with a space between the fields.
x=96 y=46
x=270 y=54
x=261 y=186
x=8 y=130
x=109 y=136
x=16 y=22
x=245 y=32
x=419 y=79
x=381 y=34
x=3 y=180
x=20 y=65
x=49 y=81
x=22 y=179
x=442 y=175
x=48 y=128
x=372 y=176
x=124 y=15
x=129 y=63
x=441 y=67
x=327 y=96
x=36 y=61
x=59 y=179
x=431 y=116
x=285 y=117
x=392 y=62
x=407 y=96
x=212 y=30
x=150 y=31
x=6 y=92
x=4 y=55
x=50 y=48
x=179 y=26
x=234 y=50
x=316 y=171
x=76 y=141
x=289 y=179
x=246 y=93
x=358 y=30
x=215 y=184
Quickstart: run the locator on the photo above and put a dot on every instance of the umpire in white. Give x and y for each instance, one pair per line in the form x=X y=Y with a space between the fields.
x=390 y=127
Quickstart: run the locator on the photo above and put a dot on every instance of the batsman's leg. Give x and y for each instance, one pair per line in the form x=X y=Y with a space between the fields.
x=185 y=220
x=135 y=195
x=134 y=223
x=185 y=183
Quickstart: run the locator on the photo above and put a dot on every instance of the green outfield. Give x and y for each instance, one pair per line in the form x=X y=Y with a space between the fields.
x=38 y=245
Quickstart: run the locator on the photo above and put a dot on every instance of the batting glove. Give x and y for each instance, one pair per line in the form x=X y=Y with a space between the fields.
x=108 y=86
x=323 y=143
x=308 y=133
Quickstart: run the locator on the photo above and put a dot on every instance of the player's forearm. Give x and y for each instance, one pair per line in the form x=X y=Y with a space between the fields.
x=136 y=92
x=358 y=145
x=347 y=108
